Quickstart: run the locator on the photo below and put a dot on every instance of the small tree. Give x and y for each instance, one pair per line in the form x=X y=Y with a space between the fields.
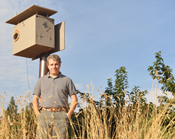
x=162 y=73
x=12 y=108
x=12 y=116
x=116 y=94
x=121 y=84
x=138 y=97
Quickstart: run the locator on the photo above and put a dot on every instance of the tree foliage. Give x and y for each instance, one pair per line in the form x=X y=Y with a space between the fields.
x=162 y=73
x=12 y=108
x=138 y=97
x=116 y=94
x=121 y=84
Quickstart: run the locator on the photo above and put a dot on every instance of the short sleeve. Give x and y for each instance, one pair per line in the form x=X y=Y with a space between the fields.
x=71 y=88
x=37 y=89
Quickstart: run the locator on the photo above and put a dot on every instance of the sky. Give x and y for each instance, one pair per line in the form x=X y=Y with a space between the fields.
x=100 y=37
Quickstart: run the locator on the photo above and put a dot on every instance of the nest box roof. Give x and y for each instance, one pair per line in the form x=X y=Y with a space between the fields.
x=29 y=12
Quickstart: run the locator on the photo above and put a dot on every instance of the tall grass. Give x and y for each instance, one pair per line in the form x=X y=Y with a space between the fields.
x=94 y=122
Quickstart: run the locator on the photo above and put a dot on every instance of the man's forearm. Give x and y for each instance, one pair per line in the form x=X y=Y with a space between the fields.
x=35 y=105
x=73 y=105
x=71 y=110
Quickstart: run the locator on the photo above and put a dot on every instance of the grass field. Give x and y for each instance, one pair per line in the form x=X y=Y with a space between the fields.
x=92 y=122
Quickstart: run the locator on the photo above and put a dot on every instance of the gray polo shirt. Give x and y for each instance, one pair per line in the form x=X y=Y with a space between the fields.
x=54 y=91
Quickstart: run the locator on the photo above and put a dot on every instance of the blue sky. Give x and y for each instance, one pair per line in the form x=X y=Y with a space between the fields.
x=100 y=37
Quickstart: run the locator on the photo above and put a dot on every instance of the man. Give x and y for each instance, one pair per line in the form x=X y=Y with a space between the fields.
x=53 y=89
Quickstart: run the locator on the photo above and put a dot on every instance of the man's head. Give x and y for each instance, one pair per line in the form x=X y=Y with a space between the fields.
x=53 y=57
x=54 y=64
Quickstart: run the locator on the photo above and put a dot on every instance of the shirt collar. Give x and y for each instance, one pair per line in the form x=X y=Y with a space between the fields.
x=59 y=75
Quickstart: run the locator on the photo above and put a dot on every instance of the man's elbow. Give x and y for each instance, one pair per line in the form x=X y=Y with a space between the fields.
x=35 y=99
x=74 y=99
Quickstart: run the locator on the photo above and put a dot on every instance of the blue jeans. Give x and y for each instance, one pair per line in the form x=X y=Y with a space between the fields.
x=52 y=125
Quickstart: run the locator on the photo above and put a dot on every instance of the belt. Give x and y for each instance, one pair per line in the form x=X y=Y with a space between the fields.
x=53 y=109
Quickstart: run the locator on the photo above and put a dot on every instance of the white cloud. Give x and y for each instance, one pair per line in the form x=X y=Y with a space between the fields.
x=79 y=86
x=154 y=93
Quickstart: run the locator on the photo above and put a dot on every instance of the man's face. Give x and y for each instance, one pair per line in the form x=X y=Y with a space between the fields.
x=54 y=67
